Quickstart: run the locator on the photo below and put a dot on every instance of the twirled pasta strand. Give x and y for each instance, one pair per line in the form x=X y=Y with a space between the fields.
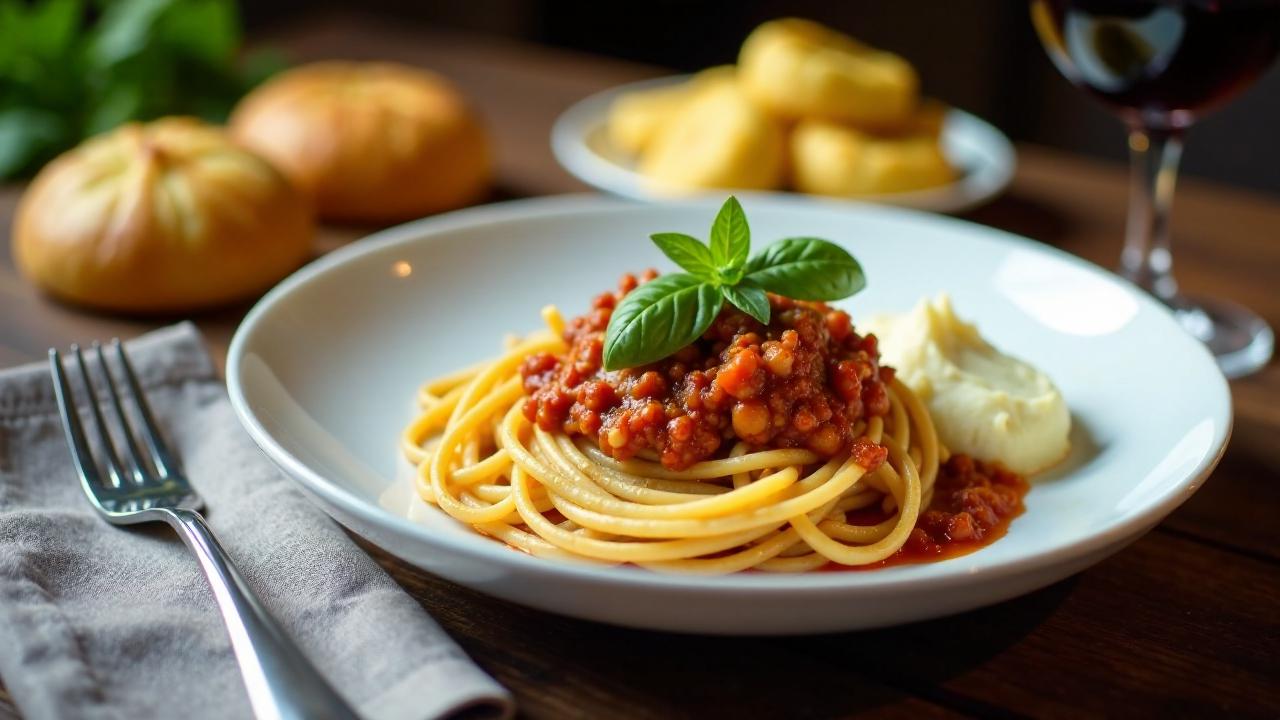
x=783 y=510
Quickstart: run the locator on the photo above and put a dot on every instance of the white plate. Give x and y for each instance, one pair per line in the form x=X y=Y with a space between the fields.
x=323 y=370
x=983 y=153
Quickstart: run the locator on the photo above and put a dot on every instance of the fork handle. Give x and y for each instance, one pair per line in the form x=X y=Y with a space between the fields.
x=282 y=683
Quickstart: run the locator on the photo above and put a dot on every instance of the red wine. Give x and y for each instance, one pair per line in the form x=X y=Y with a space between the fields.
x=1165 y=62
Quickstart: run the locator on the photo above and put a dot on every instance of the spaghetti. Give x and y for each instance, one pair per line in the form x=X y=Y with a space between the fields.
x=483 y=461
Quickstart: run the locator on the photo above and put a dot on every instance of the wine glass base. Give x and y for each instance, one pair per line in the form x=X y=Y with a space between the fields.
x=1240 y=341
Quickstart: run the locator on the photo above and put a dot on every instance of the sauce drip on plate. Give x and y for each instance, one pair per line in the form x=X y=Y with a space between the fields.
x=973 y=504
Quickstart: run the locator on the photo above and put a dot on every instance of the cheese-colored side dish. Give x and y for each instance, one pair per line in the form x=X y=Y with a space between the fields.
x=984 y=403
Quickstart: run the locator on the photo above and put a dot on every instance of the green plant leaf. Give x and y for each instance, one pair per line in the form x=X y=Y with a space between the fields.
x=750 y=298
x=51 y=27
x=80 y=67
x=807 y=268
x=26 y=136
x=118 y=104
x=730 y=237
x=688 y=253
x=667 y=314
x=125 y=30
x=204 y=30
x=658 y=318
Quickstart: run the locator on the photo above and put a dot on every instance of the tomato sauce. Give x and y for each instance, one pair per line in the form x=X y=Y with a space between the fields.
x=973 y=504
x=802 y=381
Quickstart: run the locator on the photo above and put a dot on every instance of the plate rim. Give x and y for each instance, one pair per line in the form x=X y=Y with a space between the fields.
x=579 y=160
x=868 y=583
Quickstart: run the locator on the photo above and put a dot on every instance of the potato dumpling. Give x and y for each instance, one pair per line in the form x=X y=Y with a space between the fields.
x=372 y=142
x=718 y=140
x=833 y=159
x=162 y=217
x=800 y=69
x=634 y=118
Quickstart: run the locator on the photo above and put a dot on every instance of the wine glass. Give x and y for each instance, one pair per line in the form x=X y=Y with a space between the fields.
x=1160 y=65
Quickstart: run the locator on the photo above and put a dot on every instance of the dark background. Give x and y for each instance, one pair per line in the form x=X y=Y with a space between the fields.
x=979 y=55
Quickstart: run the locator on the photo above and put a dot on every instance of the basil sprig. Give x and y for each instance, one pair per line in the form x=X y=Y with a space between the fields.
x=662 y=316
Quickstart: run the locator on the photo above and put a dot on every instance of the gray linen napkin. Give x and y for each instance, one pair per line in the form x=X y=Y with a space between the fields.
x=103 y=622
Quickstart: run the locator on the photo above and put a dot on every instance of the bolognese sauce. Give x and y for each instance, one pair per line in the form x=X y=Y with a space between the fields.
x=805 y=380
x=973 y=504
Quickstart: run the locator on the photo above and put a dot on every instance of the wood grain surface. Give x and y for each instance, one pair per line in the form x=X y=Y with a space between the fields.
x=1183 y=623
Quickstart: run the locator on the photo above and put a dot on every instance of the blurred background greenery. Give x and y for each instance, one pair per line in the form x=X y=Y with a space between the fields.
x=70 y=69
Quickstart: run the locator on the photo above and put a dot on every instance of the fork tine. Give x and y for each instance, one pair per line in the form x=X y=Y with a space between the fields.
x=114 y=472
x=137 y=470
x=161 y=456
x=71 y=422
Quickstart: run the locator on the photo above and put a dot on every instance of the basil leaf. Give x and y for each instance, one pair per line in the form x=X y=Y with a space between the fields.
x=658 y=318
x=730 y=237
x=688 y=253
x=807 y=268
x=750 y=298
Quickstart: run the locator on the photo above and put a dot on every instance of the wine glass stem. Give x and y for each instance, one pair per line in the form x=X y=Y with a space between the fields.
x=1147 y=259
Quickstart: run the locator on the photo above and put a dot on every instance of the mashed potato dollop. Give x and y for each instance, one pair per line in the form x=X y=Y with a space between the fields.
x=984 y=403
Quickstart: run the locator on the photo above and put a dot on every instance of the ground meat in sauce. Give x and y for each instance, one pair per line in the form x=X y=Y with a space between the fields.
x=972 y=506
x=970 y=498
x=803 y=381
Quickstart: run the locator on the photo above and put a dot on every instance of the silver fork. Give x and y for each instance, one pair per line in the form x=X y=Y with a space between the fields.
x=149 y=486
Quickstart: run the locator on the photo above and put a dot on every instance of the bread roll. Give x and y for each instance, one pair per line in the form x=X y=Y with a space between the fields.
x=635 y=118
x=800 y=69
x=719 y=139
x=832 y=159
x=372 y=142
x=162 y=217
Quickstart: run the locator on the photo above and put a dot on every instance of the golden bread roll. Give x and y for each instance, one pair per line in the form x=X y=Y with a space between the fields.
x=719 y=139
x=928 y=119
x=372 y=142
x=832 y=159
x=635 y=118
x=162 y=217
x=800 y=69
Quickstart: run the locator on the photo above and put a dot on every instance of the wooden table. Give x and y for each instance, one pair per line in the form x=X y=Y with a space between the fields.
x=1185 y=622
